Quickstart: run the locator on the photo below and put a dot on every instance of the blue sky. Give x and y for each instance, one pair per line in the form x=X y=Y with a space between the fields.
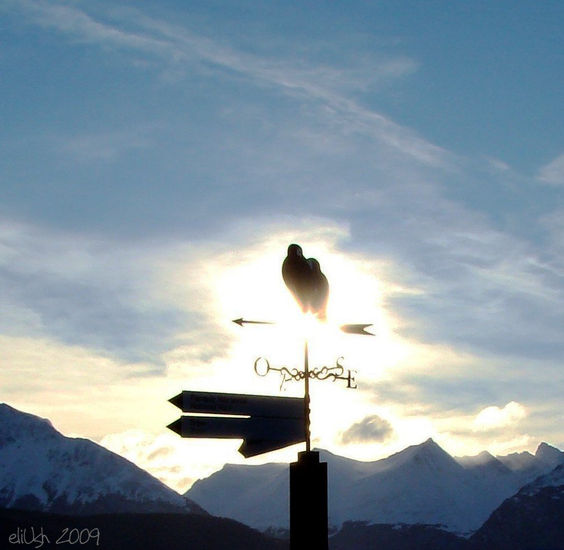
x=157 y=159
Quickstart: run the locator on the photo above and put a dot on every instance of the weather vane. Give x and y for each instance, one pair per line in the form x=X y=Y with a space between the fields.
x=310 y=289
x=266 y=423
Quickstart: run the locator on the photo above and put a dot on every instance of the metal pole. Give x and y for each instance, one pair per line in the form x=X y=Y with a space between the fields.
x=308 y=489
x=306 y=396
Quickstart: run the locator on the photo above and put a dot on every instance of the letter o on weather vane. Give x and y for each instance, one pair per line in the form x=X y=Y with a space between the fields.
x=262 y=371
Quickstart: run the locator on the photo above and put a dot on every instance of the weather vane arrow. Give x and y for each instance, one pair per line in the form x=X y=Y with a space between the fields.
x=241 y=322
x=358 y=328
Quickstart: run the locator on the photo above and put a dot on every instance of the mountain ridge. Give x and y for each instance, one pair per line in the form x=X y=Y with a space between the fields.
x=421 y=484
x=41 y=469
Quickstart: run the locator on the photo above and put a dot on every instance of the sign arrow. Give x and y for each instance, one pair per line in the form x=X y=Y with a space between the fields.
x=242 y=322
x=260 y=435
x=269 y=422
x=357 y=329
x=239 y=404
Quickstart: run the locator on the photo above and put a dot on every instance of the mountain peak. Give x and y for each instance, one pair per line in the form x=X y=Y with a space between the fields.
x=549 y=454
x=545 y=447
x=430 y=445
x=15 y=424
x=43 y=469
x=486 y=456
x=518 y=462
x=481 y=459
x=428 y=452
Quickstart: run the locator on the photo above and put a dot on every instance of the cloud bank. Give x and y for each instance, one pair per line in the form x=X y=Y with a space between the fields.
x=370 y=429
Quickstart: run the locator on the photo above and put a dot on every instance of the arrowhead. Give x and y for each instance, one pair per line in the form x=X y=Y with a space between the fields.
x=176 y=400
x=176 y=426
x=357 y=329
x=238 y=321
x=254 y=447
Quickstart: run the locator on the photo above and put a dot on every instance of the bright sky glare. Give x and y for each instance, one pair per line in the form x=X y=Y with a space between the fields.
x=158 y=158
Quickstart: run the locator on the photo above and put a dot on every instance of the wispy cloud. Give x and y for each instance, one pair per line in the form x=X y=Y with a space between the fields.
x=104 y=146
x=553 y=172
x=83 y=27
x=178 y=46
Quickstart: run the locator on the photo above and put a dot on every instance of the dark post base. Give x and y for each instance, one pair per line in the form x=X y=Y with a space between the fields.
x=308 y=503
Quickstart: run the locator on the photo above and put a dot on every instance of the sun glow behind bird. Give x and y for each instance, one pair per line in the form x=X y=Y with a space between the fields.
x=251 y=286
x=254 y=290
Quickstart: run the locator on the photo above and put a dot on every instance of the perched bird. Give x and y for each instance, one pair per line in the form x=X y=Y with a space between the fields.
x=306 y=282
x=296 y=273
x=319 y=290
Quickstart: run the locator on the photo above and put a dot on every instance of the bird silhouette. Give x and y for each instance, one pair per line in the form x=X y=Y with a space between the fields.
x=306 y=282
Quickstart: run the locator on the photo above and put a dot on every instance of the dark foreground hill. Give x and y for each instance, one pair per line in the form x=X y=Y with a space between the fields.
x=533 y=519
x=129 y=532
x=533 y=522
x=361 y=536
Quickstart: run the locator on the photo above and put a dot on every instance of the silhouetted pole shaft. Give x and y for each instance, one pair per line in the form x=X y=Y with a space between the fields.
x=306 y=396
x=308 y=489
x=308 y=503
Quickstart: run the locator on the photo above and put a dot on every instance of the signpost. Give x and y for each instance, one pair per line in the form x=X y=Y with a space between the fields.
x=266 y=423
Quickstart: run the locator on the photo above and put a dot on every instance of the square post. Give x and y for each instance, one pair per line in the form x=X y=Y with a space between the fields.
x=308 y=503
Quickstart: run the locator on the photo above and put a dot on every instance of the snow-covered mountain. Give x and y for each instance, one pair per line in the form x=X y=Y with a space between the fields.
x=532 y=518
x=40 y=469
x=419 y=485
x=518 y=462
x=528 y=467
x=553 y=479
x=254 y=495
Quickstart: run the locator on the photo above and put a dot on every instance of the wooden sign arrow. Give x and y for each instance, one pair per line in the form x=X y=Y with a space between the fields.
x=269 y=423
x=240 y=404
x=260 y=435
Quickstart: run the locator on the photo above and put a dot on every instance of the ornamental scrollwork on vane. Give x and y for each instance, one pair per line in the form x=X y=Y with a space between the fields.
x=263 y=367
